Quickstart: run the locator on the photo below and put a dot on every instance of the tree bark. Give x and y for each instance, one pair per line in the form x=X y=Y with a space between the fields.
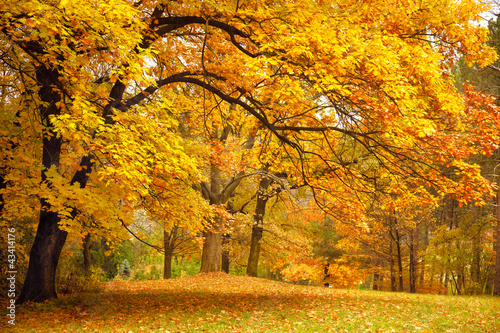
x=412 y=267
x=225 y=253
x=425 y=243
x=211 y=258
x=39 y=284
x=476 y=261
x=446 y=280
x=376 y=279
x=400 y=261
x=391 y=253
x=168 y=246
x=253 y=258
x=258 y=226
x=167 y=264
x=391 y=266
x=86 y=255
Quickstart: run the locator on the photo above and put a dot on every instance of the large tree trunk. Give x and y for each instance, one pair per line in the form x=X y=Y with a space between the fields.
x=496 y=287
x=211 y=259
x=258 y=226
x=39 y=284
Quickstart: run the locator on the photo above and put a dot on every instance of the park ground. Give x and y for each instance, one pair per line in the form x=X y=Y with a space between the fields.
x=224 y=303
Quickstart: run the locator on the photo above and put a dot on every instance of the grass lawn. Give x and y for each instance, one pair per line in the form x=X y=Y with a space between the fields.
x=223 y=303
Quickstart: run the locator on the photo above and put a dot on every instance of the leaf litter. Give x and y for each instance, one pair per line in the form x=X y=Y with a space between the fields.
x=222 y=303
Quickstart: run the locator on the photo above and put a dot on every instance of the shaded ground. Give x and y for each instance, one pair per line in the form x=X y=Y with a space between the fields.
x=223 y=303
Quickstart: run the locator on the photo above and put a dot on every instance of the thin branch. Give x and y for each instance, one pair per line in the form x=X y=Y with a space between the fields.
x=157 y=248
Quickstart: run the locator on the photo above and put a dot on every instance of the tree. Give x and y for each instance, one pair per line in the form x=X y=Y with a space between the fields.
x=125 y=268
x=258 y=228
x=269 y=185
x=59 y=94
x=486 y=79
x=96 y=93
x=172 y=239
x=217 y=192
x=180 y=211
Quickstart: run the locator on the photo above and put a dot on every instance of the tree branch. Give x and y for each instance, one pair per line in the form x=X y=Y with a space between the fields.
x=169 y=24
x=157 y=248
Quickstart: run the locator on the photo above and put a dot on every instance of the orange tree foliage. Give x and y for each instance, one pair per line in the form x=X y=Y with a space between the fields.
x=347 y=92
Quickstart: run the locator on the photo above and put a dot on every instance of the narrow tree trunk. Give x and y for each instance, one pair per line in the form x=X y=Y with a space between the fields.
x=400 y=262
x=39 y=284
x=225 y=262
x=391 y=266
x=225 y=253
x=258 y=226
x=376 y=280
x=425 y=242
x=457 y=282
x=86 y=255
x=476 y=261
x=169 y=250
x=392 y=240
x=496 y=287
x=446 y=280
x=167 y=264
x=253 y=258
x=412 y=266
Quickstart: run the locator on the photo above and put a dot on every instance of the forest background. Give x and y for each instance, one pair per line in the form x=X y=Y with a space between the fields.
x=345 y=143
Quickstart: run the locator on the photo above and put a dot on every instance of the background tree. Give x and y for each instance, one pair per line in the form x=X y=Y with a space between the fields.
x=486 y=80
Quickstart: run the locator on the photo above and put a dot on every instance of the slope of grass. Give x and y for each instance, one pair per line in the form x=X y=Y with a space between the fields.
x=223 y=303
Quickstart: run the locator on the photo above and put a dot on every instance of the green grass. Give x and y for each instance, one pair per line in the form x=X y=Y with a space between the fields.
x=222 y=303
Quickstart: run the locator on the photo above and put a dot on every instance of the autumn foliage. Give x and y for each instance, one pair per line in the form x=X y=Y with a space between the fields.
x=171 y=106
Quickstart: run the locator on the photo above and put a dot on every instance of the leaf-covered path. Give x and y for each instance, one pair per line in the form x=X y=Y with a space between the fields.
x=223 y=303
